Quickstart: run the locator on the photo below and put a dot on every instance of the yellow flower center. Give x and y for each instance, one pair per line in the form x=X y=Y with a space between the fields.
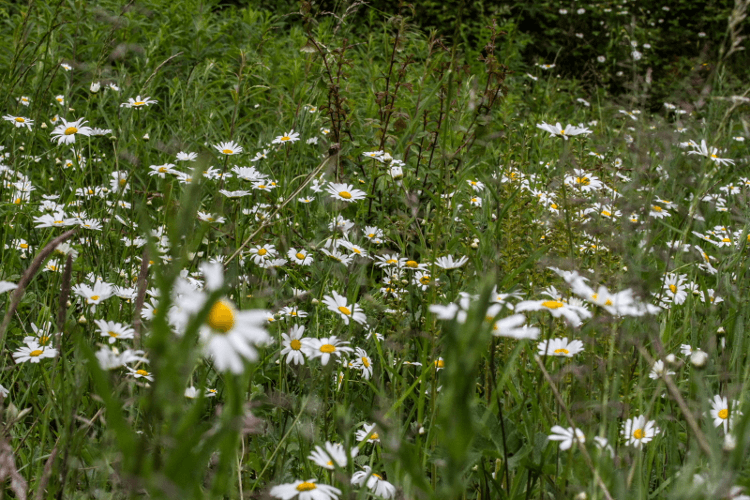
x=20 y=119
x=726 y=240
x=582 y=180
x=345 y=195
x=162 y=170
x=329 y=463
x=656 y=208
x=262 y=252
x=412 y=263
x=440 y=363
x=94 y=297
x=112 y=334
x=221 y=317
x=328 y=348
x=425 y=280
x=357 y=250
x=552 y=304
x=59 y=99
x=377 y=476
x=295 y=344
x=345 y=310
x=24 y=245
x=300 y=255
x=606 y=213
x=286 y=138
x=394 y=261
x=724 y=414
x=70 y=131
x=374 y=436
x=366 y=362
x=142 y=373
x=608 y=302
x=58 y=222
x=673 y=288
x=261 y=186
x=139 y=103
x=554 y=206
x=639 y=434
x=562 y=351
x=35 y=353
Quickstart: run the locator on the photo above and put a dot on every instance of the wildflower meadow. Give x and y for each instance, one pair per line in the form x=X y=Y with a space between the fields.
x=327 y=250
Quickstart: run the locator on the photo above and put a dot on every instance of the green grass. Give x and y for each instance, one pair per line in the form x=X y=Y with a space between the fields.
x=459 y=413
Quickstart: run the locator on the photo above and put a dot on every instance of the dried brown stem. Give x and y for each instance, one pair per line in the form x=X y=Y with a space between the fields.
x=26 y=279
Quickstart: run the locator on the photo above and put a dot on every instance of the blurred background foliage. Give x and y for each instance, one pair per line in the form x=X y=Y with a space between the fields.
x=679 y=42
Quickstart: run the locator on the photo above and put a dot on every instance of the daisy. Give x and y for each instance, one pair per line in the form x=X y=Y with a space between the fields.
x=513 y=327
x=367 y=432
x=560 y=347
x=423 y=280
x=345 y=192
x=114 y=331
x=564 y=132
x=338 y=304
x=334 y=455
x=290 y=137
x=19 y=121
x=33 y=352
x=567 y=437
x=572 y=313
x=23 y=100
x=338 y=256
x=355 y=249
x=66 y=132
x=138 y=102
x=294 y=345
x=60 y=99
x=181 y=156
x=659 y=370
x=262 y=253
x=674 y=288
x=637 y=431
x=388 y=260
x=375 y=155
x=228 y=148
x=722 y=413
x=326 y=347
x=229 y=336
x=300 y=256
x=206 y=217
x=140 y=373
x=305 y=490
x=448 y=262
x=710 y=153
x=477 y=186
x=375 y=483
x=362 y=362
x=292 y=312
x=374 y=234
x=658 y=212
x=94 y=296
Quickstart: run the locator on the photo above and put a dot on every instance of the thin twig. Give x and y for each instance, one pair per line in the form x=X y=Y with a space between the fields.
x=584 y=452
x=64 y=294
x=158 y=68
x=140 y=299
x=267 y=221
x=26 y=278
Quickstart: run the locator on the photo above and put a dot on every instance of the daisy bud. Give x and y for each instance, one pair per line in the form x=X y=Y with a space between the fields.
x=581 y=496
x=730 y=443
x=315 y=301
x=43 y=125
x=671 y=359
x=95 y=86
x=721 y=330
x=146 y=137
x=699 y=359
x=421 y=430
x=82 y=319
